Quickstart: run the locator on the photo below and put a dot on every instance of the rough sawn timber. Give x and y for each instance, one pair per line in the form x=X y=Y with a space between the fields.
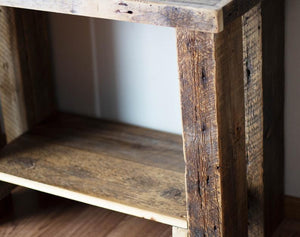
x=201 y=15
x=212 y=100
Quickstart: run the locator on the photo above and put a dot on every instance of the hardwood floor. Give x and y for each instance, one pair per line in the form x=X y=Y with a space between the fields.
x=288 y=228
x=29 y=213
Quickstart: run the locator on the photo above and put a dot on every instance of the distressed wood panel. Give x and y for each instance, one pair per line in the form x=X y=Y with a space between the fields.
x=202 y=15
x=105 y=164
x=212 y=98
x=26 y=89
x=252 y=53
x=11 y=92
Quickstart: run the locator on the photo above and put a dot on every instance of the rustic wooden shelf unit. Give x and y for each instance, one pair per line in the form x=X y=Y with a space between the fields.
x=228 y=178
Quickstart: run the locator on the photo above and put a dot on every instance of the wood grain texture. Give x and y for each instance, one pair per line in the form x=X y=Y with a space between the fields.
x=26 y=89
x=237 y=8
x=119 y=167
x=201 y=15
x=273 y=96
x=212 y=98
x=11 y=93
x=252 y=60
x=32 y=214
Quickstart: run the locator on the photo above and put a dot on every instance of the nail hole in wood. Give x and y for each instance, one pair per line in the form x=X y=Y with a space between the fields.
x=203 y=127
x=203 y=77
x=207 y=180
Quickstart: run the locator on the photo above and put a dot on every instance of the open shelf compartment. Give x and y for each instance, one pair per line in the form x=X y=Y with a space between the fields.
x=120 y=167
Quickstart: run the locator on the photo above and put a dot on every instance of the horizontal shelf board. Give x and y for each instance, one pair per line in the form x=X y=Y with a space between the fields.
x=203 y=15
x=119 y=167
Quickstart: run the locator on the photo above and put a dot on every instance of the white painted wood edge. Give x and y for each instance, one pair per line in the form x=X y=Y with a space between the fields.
x=179 y=232
x=114 y=206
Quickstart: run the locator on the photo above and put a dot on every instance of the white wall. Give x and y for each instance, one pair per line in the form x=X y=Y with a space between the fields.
x=128 y=72
x=117 y=70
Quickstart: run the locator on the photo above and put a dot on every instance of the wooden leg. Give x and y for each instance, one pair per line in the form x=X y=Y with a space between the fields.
x=252 y=53
x=26 y=89
x=25 y=74
x=212 y=100
x=264 y=77
x=179 y=232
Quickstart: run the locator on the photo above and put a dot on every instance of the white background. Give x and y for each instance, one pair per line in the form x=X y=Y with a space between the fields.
x=128 y=72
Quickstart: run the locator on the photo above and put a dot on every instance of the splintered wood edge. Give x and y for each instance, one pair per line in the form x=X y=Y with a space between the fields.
x=99 y=202
x=198 y=17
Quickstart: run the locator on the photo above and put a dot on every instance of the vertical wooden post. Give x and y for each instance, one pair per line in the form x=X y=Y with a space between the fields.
x=252 y=54
x=26 y=86
x=263 y=43
x=212 y=99
x=26 y=89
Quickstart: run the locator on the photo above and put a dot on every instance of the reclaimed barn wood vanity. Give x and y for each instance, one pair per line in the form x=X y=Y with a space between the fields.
x=222 y=177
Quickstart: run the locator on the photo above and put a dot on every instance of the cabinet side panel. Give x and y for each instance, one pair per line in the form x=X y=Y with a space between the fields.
x=26 y=89
x=212 y=100
x=252 y=54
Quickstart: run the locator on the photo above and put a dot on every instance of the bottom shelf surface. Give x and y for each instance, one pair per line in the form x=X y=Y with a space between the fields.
x=29 y=213
x=128 y=169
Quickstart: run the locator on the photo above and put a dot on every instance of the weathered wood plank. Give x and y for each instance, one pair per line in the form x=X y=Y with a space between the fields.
x=263 y=76
x=115 y=174
x=26 y=89
x=212 y=97
x=237 y=8
x=11 y=93
x=201 y=15
x=198 y=15
x=252 y=51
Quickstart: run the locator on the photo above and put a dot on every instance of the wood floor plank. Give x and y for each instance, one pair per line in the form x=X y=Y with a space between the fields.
x=33 y=214
x=74 y=167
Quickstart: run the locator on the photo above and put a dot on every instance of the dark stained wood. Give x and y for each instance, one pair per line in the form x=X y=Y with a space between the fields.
x=252 y=51
x=237 y=8
x=273 y=96
x=212 y=97
x=36 y=64
x=119 y=167
x=32 y=213
x=26 y=89
x=288 y=228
